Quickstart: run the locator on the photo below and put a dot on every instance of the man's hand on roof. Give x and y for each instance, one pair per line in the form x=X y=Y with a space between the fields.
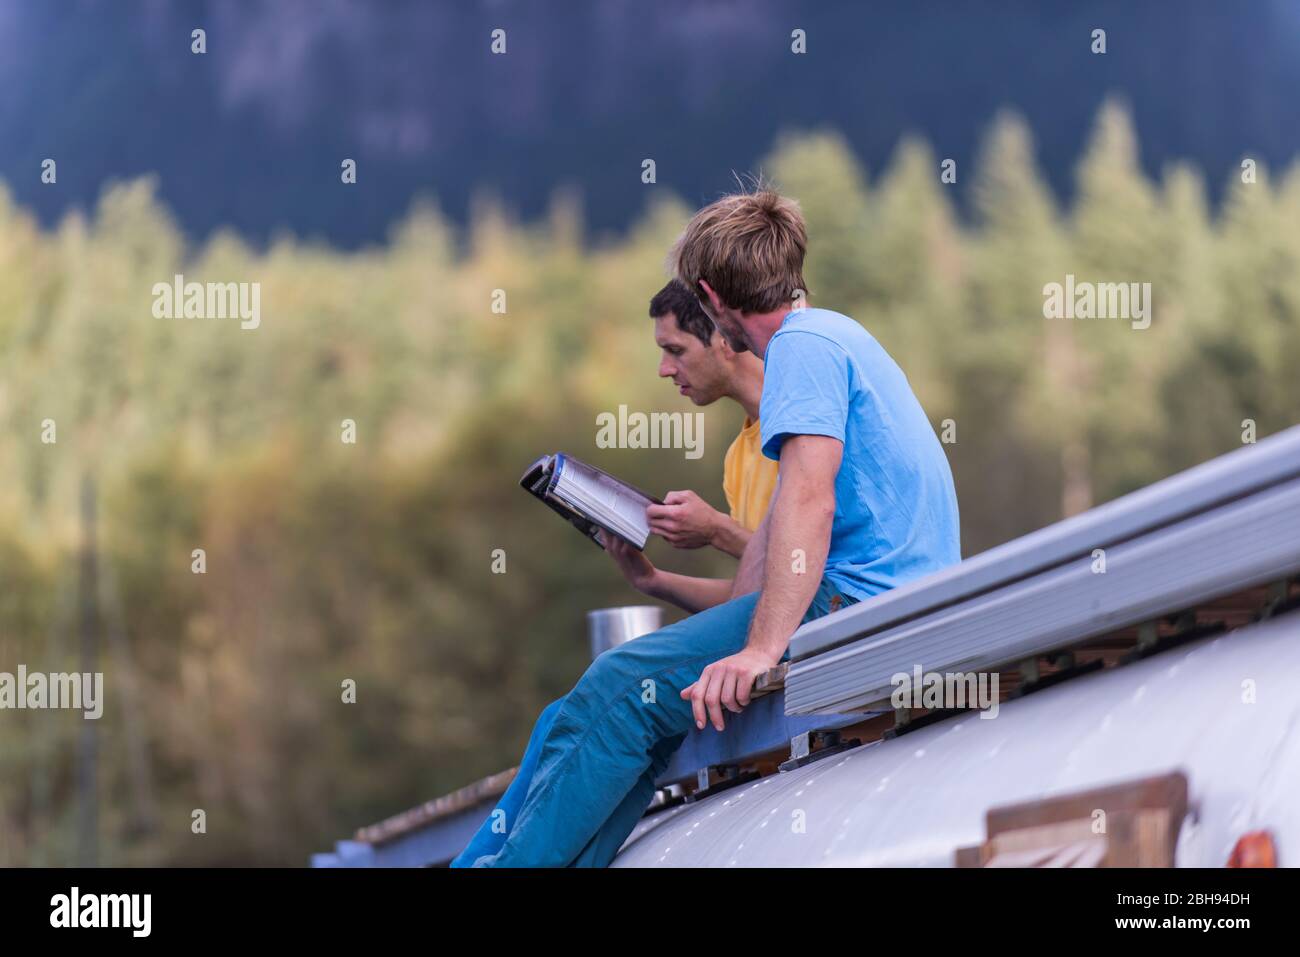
x=684 y=520
x=727 y=683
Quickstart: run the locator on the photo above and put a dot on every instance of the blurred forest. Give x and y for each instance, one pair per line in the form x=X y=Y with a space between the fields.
x=372 y=561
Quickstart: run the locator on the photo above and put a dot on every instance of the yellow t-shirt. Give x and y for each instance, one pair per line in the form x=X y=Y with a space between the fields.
x=748 y=476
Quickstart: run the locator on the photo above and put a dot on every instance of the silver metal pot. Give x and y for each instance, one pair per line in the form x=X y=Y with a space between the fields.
x=609 y=627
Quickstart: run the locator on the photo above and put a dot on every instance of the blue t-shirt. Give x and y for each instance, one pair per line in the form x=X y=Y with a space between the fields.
x=895 y=505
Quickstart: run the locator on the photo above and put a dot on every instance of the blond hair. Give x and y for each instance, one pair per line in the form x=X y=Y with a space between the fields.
x=748 y=247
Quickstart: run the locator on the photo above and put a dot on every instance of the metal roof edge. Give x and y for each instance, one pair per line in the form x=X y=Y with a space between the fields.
x=1245 y=543
x=1227 y=477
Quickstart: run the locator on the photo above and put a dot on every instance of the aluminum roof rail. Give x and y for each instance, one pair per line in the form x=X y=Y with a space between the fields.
x=1227 y=524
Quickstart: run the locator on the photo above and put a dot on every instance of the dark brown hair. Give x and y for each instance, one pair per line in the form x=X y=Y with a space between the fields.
x=677 y=298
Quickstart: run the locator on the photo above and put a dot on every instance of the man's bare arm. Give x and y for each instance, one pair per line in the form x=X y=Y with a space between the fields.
x=731 y=537
x=685 y=520
x=749 y=574
x=690 y=593
x=798 y=540
x=798 y=531
x=684 y=591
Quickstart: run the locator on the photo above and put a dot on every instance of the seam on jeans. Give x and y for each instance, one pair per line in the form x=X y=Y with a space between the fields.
x=630 y=686
x=562 y=764
x=595 y=721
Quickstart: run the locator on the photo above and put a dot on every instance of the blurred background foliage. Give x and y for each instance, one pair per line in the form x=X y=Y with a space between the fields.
x=328 y=561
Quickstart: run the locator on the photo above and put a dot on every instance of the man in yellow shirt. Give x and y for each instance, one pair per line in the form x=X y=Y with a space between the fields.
x=706 y=369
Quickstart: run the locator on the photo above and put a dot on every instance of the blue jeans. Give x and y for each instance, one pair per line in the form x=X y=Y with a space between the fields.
x=590 y=767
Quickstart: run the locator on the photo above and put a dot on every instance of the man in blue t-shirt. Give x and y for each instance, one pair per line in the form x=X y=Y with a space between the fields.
x=864 y=501
x=895 y=507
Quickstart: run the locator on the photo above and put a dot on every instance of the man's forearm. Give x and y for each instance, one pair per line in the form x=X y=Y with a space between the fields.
x=690 y=593
x=731 y=537
x=749 y=574
x=798 y=537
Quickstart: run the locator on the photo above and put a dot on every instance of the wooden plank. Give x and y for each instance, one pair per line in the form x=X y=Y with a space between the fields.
x=480 y=792
x=1167 y=791
x=772 y=680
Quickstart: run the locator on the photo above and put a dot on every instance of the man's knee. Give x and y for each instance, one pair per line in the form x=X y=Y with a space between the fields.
x=612 y=673
x=627 y=687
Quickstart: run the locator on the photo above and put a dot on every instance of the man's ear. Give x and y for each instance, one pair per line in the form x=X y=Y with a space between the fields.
x=715 y=302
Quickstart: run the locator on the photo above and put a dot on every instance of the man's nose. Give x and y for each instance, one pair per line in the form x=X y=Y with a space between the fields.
x=666 y=369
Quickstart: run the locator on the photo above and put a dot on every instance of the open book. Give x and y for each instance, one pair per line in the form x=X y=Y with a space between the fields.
x=589 y=498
